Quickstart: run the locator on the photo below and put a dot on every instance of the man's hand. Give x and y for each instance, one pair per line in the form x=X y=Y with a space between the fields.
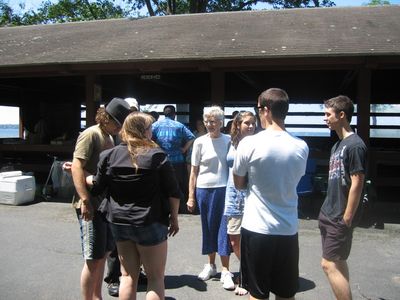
x=347 y=220
x=67 y=166
x=86 y=210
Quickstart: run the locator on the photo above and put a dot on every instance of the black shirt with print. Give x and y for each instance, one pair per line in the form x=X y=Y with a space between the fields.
x=348 y=156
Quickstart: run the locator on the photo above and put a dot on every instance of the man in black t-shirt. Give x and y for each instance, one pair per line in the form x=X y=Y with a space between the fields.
x=347 y=167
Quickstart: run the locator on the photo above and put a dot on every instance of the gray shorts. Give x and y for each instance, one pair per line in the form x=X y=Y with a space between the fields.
x=336 y=238
x=96 y=236
x=149 y=235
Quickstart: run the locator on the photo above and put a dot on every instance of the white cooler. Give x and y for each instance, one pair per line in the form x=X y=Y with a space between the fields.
x=16 y=189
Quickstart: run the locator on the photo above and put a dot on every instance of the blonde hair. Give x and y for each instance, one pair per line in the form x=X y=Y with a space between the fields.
x=133 y=133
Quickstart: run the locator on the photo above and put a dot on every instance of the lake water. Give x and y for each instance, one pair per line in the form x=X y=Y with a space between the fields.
x=9 y=133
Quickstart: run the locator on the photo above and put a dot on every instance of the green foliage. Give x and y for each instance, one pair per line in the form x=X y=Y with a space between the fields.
x=302 y=3
x=7 y=15
x=62 y=11
x=77 y=10
x=82 y=10
x=166 y=7
x=378 y=2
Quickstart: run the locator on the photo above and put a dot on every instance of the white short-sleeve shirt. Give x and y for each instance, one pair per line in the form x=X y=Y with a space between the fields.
x=209 y=154
x=274 y=162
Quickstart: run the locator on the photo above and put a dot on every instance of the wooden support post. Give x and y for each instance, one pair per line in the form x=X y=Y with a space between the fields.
x=363 y=101
x=21 y=126
x=92 y=99
x=218 y=88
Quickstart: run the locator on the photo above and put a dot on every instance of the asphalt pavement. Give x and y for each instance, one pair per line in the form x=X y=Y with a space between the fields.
x=41 y=259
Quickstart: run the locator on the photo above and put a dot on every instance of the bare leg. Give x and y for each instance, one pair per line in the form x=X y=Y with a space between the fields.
x=130 y=266
x=211 y=258
x=338 y=277
x=225 y=263
x=154 y=259
x=235 y=243
x=92 y=278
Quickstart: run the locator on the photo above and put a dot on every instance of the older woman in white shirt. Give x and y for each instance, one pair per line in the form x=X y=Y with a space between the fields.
x=207 y=186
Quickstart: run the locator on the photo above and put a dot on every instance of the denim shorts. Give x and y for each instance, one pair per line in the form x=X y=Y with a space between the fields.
x=149 y=235
x=96 y=236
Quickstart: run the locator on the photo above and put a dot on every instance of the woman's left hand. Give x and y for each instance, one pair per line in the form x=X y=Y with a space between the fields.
x=174 y=226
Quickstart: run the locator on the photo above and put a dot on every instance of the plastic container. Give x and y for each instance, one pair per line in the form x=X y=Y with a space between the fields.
x=16 y=189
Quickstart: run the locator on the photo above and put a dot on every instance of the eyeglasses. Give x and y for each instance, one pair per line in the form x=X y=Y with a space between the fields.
x=210 y=122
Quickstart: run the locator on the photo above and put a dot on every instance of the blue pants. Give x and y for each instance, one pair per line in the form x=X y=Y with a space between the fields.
x=211 y=203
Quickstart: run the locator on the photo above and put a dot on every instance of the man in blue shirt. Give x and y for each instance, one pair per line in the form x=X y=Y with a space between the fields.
x=175 y=138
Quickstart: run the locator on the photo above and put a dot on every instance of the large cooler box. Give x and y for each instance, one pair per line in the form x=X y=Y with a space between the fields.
x=16 y=189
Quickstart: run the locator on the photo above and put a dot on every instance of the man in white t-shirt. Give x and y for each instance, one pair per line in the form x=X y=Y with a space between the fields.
x=270 y=164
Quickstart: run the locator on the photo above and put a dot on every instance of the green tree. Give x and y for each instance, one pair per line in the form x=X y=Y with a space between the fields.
x=7 y=15
x=81 y=10
x=75 y=10
x=62 y=11
x=167 y=7
x=378 y=2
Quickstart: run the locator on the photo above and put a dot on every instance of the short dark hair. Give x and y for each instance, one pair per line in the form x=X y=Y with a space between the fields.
x=341 y=103
x=169 y=111
x=155 y=115
x=276 y=100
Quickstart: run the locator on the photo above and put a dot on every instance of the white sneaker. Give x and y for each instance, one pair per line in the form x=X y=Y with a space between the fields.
x=226 y=279
x=208 y=272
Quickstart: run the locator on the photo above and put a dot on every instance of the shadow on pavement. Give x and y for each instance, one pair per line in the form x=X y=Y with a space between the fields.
x=175 y=282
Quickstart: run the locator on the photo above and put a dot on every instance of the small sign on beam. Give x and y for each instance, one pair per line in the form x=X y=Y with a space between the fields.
x=150 y=77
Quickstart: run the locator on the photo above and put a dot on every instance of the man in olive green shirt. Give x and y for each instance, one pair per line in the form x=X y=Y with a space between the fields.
x=95 y=236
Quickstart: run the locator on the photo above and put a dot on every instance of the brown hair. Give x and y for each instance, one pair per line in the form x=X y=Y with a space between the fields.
x=102 y=118
x=341 y=103
x=133 y=133
x=235 y=127
x=277 y=101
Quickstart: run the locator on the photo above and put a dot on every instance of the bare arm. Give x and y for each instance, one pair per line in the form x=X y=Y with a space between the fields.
x=79 y=178
x=173 y=219
x=191 y=203
x=356 y=188
x=187 y=146
x=240 y=182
